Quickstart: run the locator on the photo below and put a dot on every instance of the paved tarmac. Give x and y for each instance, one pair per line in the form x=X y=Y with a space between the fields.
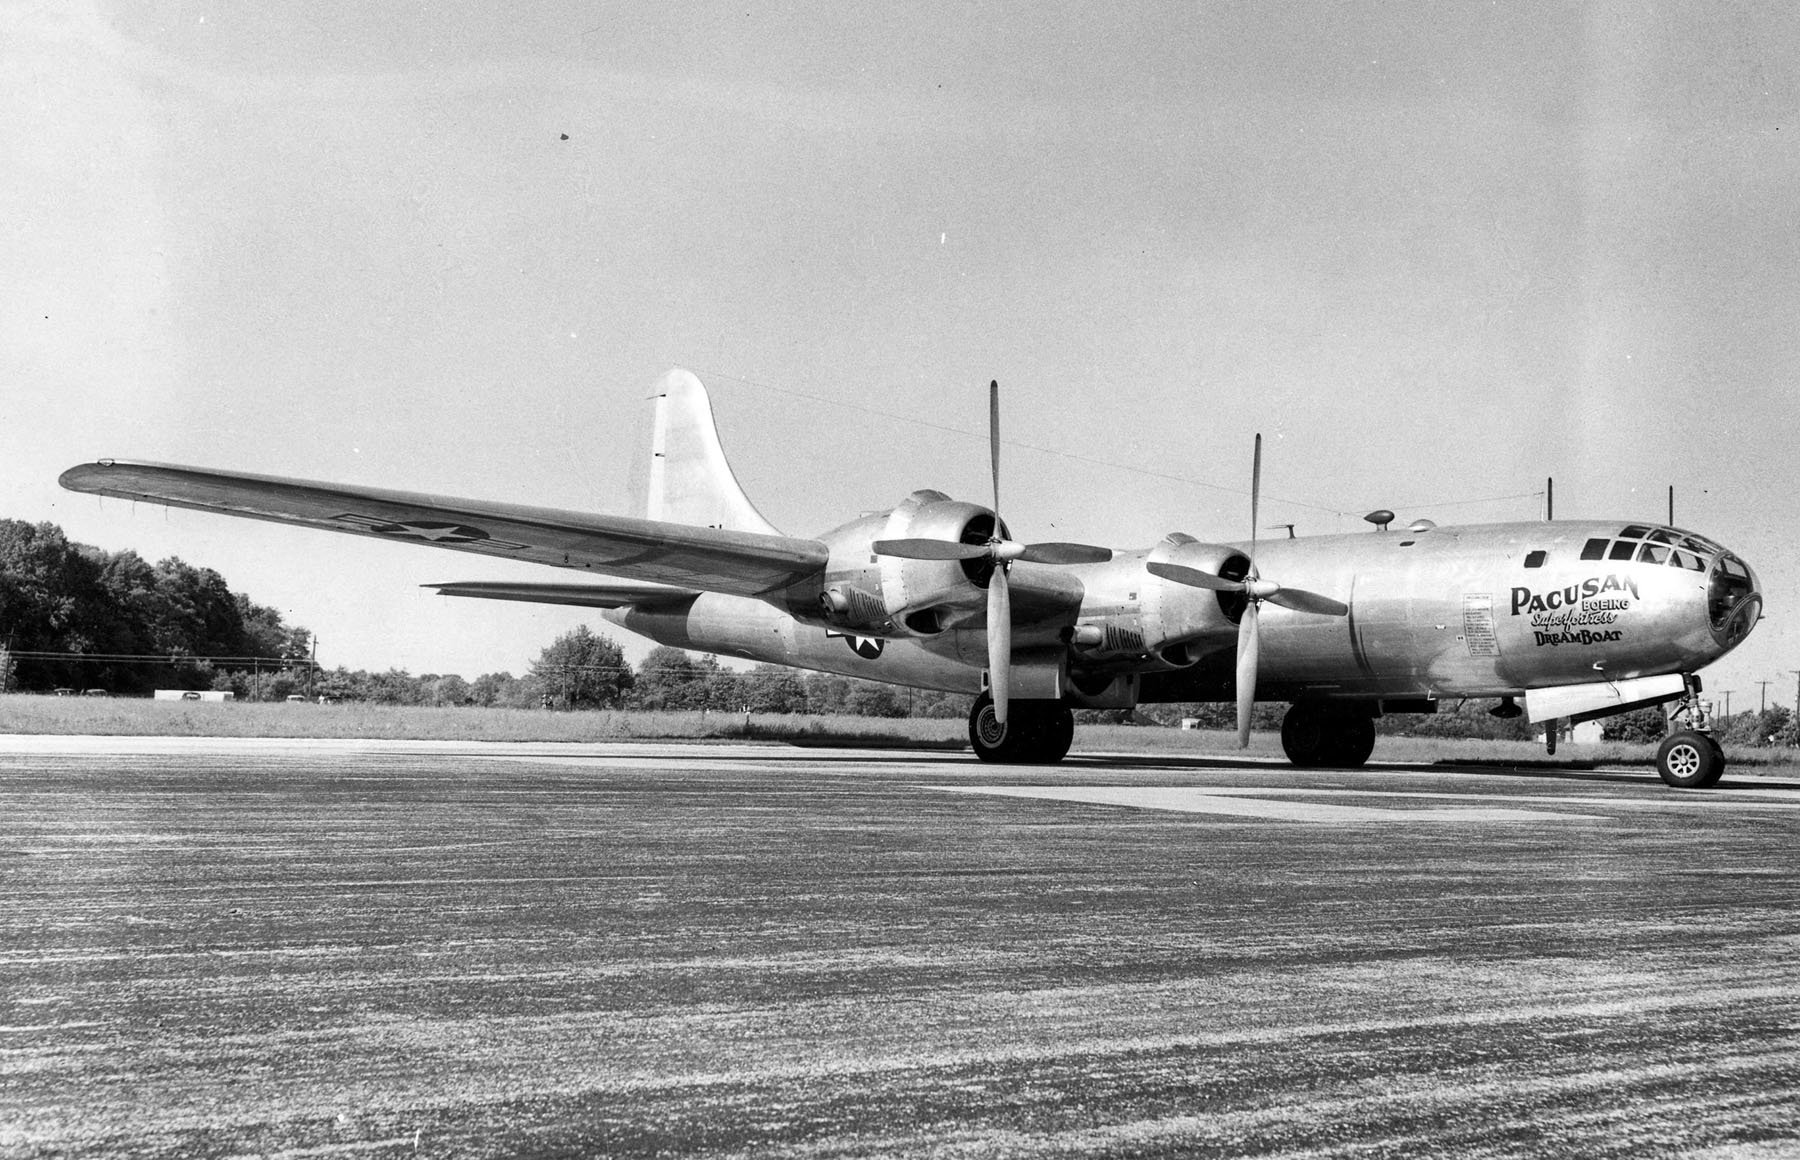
x=238 y=948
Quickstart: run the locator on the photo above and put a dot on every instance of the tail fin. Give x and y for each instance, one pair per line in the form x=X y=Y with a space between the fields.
x=690 y=481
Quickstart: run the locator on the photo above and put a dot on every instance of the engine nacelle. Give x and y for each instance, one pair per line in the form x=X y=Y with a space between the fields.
x=866 y=594
x=1147 y=623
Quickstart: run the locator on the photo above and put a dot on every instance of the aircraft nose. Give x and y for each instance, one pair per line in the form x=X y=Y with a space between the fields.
x=1733 y=600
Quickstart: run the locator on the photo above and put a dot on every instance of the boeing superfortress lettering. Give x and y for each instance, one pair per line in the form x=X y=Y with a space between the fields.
x=1525 y=600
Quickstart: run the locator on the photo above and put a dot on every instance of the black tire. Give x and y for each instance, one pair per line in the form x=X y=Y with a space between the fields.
x=1038 y=732
x=991 y=740
x=1315 y=734
x=1306 y=735
x=1055 y=736
x=1690 y=760
x=1354 y=741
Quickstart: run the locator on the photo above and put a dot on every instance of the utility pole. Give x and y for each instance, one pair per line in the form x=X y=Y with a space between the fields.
x=1795 y=720
x=1726 y=693
x=1764 y=706
x=1549 y=498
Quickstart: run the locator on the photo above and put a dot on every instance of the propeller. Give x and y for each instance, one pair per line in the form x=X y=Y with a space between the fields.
x=1256 y=590
x=1002 y=552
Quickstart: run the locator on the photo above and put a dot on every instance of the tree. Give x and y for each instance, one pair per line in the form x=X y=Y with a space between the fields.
x=450 y=690
x=667 y=680
x=583 y=671
x=774 y=689
x=506 y=690
x=1646 y=726
x=670 y=679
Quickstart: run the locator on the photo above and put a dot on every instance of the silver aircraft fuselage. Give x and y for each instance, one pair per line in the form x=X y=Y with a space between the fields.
x=1478 y=611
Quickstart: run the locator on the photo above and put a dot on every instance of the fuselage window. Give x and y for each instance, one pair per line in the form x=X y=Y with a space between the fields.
x=1594 y=550
x=1623 y=550
x=1534 y=559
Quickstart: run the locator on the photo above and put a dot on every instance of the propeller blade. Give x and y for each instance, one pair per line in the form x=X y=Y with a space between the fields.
x=994 y=444
x=1255 y=496
x=920 y=549
x=1065 y=554
x=1249 y=644
x=1300 y=600
x=1193 y=577
x=999 y=641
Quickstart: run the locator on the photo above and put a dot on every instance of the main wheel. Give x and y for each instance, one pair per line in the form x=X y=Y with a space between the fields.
x=1035 y=731
x=1305 y=736
x=1354 y=742
x=1690 y=760
x=1055 y=736
x=1314 y=734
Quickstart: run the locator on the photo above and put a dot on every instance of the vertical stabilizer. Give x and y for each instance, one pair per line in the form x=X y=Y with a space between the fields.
x=690 y=482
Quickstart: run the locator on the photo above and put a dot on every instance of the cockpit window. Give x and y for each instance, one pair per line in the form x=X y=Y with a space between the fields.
x=1731 y=600
x=1535 y=559
x=1660 y=546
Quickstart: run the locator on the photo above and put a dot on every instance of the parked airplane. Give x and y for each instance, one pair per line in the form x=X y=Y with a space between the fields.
x=1579 y=619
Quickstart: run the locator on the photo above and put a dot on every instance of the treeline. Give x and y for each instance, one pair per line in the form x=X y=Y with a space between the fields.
x=75 y=616
x=584 y=670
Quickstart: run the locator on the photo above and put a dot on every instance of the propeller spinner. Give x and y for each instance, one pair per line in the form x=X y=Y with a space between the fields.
x=1257 y=590
x=1002 y=552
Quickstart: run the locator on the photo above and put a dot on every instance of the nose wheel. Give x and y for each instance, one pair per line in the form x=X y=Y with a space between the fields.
x=1690 y=758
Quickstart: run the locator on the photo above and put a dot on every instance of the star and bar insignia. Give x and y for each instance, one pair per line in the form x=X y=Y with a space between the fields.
x=867 y=647
x=430 y=531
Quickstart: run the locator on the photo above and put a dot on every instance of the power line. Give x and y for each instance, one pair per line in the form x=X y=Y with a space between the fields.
x=163 y=658
x=1092 y=460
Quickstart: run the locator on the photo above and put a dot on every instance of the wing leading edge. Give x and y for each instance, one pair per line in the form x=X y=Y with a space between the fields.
x=704 y=559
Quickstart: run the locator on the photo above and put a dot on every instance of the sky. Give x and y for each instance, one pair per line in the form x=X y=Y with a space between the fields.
x=1437 y=253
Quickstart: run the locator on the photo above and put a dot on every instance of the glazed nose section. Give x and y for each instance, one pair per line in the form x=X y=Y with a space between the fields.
x=1733 y=600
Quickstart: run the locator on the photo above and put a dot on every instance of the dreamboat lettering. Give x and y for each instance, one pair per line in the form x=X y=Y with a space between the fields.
x=1564 y=615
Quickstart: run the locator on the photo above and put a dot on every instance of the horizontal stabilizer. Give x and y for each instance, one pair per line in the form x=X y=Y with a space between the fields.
x=579 y=595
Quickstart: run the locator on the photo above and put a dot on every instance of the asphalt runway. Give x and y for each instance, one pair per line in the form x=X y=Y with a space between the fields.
x=296 y=949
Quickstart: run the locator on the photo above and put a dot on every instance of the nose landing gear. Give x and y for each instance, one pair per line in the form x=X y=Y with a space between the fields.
x=1690 y=758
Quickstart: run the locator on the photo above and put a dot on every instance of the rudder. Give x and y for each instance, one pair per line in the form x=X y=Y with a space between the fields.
x=690 y=480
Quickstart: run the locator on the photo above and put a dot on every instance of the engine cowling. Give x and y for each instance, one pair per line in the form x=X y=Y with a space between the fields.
x=1153 y=624
x=866 y=594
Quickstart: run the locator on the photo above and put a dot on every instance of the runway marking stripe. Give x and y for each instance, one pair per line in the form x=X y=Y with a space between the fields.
x=1236 y=803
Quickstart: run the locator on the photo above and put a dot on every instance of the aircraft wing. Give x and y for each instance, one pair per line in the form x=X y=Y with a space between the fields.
x=579 y=595
x=695 y=558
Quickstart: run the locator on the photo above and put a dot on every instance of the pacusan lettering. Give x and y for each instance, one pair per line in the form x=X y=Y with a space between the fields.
x=1580 y=595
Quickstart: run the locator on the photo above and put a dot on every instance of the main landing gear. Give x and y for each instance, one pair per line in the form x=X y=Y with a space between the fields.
x=1316 y=733
x=1035 y=733
x=1690 y=758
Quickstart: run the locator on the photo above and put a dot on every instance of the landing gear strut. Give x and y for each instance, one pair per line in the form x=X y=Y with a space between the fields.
x=1689 y=757
x=1321 y=733
x=1035 y=733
